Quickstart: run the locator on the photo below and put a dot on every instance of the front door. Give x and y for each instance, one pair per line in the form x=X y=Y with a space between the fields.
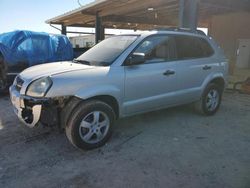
x=151 y=84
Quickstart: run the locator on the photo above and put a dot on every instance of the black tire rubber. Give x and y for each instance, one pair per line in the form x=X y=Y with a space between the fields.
x=200 y=106
x=73 y=123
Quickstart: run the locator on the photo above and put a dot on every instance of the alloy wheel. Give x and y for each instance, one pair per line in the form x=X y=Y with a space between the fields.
x=212 y=100
x=94 y=127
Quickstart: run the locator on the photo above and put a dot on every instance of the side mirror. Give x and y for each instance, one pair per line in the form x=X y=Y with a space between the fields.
x=136 y=59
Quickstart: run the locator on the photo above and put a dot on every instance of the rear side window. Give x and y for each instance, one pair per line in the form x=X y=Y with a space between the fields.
x=188 y=47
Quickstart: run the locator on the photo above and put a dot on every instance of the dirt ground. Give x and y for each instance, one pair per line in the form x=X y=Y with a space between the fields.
x=169 y=148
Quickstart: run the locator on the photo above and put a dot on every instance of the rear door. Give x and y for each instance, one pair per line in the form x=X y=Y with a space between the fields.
x=195 y=63
x=151 y=85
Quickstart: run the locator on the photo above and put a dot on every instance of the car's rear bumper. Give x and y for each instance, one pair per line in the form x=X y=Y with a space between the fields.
x=28 y=114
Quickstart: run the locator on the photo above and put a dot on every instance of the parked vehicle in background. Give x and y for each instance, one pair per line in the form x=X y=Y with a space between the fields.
x=22 y=49
x=121 y=76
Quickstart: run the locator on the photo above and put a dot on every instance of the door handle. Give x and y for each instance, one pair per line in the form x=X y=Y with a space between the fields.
x=207 y=67
x=169 y=72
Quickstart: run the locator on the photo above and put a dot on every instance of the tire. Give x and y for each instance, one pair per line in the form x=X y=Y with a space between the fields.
x=90 y=124
x=210 y=100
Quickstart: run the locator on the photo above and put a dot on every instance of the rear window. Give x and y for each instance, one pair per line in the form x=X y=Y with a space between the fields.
x=189 y=47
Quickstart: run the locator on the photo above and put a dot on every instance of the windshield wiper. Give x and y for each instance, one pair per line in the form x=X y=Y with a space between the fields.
x=81 y=61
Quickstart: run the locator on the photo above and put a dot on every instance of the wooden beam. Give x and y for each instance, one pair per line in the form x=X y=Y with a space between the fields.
x=84 y=12
x=243 y=5
x=137 y=20
x=131 y=6
x=82 y=25
x=158 y=10
x=82 y=20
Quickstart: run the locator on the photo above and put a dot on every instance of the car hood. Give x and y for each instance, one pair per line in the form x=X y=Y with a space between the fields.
x=51 y=69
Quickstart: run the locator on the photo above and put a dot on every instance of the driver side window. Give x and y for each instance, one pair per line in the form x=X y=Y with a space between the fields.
x=156 y=49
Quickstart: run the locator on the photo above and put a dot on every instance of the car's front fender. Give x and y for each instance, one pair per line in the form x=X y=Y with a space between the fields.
x=89 y=92
x=103 y=90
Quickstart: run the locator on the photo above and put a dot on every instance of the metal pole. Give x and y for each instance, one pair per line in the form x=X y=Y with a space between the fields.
x=99 y=29
x=188 y=15
x=102 y=34
x=194 y=11
x=181 y=13
x=64 y=30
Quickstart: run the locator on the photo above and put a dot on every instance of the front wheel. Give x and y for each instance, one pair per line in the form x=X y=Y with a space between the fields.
x=210 y=100
x=90 y=124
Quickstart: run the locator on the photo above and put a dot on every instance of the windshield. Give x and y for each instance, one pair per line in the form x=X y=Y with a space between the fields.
x=106 y=52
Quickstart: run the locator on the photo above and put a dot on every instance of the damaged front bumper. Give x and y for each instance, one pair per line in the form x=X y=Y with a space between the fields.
x=28 y=109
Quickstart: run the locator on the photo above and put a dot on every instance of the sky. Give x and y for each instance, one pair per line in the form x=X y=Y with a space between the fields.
x=32 y=14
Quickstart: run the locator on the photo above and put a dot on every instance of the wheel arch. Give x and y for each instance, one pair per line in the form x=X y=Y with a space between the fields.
x=72 y=102
x=110 y=100
x=109 y=94
x=219 y=81
x=216 y=78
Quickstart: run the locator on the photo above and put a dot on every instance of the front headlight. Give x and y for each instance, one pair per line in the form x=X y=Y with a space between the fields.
x=39 y=88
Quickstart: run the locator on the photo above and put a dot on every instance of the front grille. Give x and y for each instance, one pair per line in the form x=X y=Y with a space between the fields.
x=19 y=83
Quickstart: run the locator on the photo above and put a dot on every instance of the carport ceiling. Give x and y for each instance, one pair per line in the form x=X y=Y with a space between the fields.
x=146 y=14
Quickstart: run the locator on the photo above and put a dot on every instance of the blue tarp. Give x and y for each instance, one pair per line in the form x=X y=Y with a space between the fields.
x=34 y=47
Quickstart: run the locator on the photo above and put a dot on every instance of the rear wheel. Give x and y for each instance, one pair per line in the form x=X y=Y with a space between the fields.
x=90 y=124
x=210 y=100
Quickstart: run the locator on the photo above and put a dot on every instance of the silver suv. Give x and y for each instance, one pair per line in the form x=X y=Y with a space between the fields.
x=122 y=76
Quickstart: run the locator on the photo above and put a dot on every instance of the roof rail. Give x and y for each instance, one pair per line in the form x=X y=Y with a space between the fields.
x=180 y=30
